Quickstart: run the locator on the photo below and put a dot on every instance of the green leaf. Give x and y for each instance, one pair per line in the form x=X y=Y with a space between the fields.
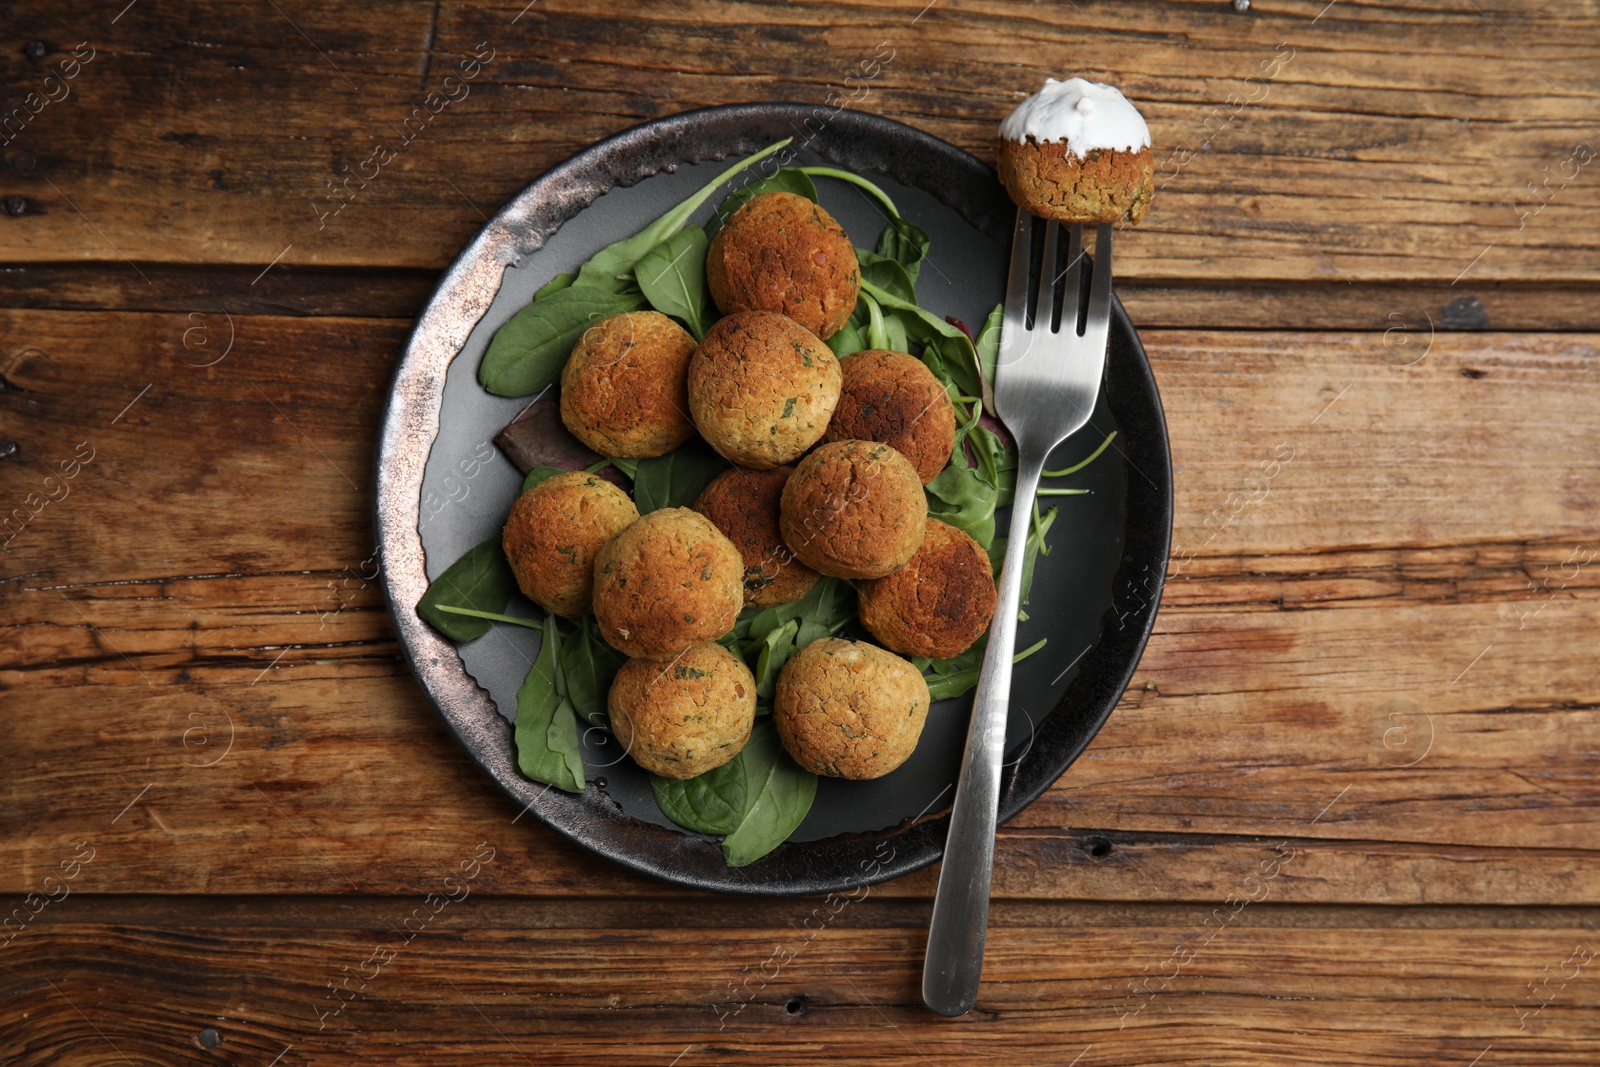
x=906 y=244
x=528 y=352
x=589 y=666
x=961 y=681
x=612 y=267
x=856 y=180
x=877 y=335
x=786 y=180
x=548 y=748
x=675 y=479
x=828 y=606
x=555 y=285
x=775 y=650
x=673 y=278
x=960 y=497
x=1034 y=545
x=847 y=342
x=777 y=794
x=887 y=275
x=711 y=803
x=537 y=475
x=987 y=349
x=481 y=580
x=630 y=467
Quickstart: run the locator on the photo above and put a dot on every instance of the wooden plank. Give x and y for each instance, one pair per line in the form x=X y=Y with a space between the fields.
x=829 y=987
x=1398 y=142
x=1196 y=304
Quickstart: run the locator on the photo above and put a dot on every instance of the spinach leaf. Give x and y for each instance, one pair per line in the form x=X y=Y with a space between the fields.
x=528 y=352
x=555 y=285
x=960 y=497
x=987 y=349
x=537 y=475
x=906 y=244
x=829 y=605
x=675 y=479
x=787 y=180
x=481 y=579
x=777 y=796
x=612 y=267
x=856 y=180
x=673 y=278
x=952 y=359
x=711 y=803
x=847 y=342
x=877 y=335
x=589 y=666
x=630 y=467
x=547 y=728
x=775 y=650
x=886 y=274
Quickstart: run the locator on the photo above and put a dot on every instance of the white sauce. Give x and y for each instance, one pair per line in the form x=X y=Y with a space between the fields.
x=1086 y=115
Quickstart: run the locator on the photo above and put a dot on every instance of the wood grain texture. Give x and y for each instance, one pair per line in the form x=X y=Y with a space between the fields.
x=1435 y=695
x=1359 y=142
x=831 y=985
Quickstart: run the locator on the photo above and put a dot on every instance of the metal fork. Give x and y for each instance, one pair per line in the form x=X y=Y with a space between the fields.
x=1046 y=382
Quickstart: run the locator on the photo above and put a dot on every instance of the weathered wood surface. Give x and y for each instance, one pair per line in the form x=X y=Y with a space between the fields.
x=806 y=983
x=1336 y=143
x=1375 y=654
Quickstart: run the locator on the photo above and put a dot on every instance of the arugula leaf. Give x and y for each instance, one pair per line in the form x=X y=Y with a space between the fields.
x=786 y=180
x=1034 y=545
x=589 y=666
x=630 y=467
x=555 y=285
x=906 y=244
x=777 y=796
x=964 y=679
x=675 y=479
x=529 y=350
x=959 y=496
x=987 y=349
x=612 y=267
x=673 y=278
x=547 y=728
x=481 y=579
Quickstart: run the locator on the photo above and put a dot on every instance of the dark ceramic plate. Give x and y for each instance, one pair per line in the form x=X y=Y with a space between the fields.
x=442 y=488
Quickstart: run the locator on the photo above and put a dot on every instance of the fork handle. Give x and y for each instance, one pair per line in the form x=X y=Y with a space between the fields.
x=954 y=961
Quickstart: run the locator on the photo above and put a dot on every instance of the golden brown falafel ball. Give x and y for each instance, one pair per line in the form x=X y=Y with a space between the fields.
x=894 y=398
x=849 y=709
x=744 y=505
x=938 y=604
x=684 y=716
x=553 y=533
x=623 y=389
x=781 y=252
x=854 y=509
x=761 y=389
x=669 y=581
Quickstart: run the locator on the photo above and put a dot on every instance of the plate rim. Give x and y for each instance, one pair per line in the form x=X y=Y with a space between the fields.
x=410 y=426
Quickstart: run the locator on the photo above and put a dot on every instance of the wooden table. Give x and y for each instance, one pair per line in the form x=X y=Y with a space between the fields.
x=1345 y=814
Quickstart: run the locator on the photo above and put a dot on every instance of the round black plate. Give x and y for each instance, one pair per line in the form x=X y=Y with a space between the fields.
x=442 y=489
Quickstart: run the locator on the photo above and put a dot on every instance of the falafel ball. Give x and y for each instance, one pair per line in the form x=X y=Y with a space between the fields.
x=854 y=509
x=762 y=388
x=553 y=533
x=684 y=716
x=623 y=390
x=744 y=505
x=669 y=581
x=894 y=398
x=849 y=709
x=782 y=252
x=938 y=604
